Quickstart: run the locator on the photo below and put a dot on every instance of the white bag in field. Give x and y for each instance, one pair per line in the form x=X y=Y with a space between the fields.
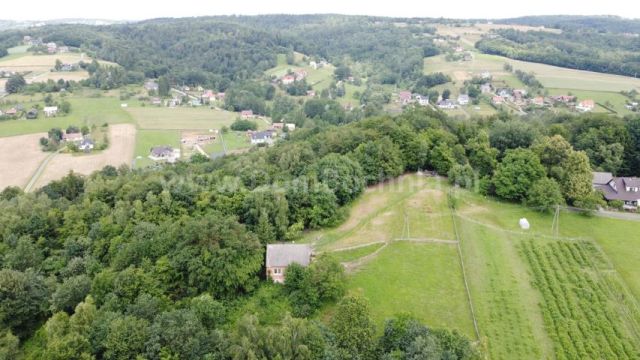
x=524 y=224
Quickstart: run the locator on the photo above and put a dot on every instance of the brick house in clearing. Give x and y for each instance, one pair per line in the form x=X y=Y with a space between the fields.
x=279 y=256
x=625 y=189
x=585 y=105
x=405 y=97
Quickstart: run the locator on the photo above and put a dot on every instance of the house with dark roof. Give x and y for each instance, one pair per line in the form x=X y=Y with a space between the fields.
x=164 y=153
x=279 y=256
x=261 y=137
x=625 y=189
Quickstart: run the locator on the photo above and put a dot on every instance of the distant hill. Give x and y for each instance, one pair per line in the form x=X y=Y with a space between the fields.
x=12 y=24
x=604 y=23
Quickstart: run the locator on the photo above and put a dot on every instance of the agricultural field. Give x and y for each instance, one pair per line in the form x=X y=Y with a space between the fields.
x=39 y=67
x=122 y=139
x=469 y=35
x=20 y=156
x=534 y=293
x=549 y=76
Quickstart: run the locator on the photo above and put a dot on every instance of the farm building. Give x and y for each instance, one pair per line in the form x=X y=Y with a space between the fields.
x=538 y=101
x=261 y=137
x=485 y=88
x=11 y=112
x=497 y=100
x=625 y=189
x=164 y=153
x=279 y=256
x=50 y=111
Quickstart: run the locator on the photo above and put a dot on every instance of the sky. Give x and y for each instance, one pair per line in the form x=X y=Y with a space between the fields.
x=139 y=10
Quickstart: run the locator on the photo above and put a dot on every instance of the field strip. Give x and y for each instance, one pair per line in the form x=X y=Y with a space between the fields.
x=354 y=247
x=464 y=274
x=428 y=240
x=39 y=171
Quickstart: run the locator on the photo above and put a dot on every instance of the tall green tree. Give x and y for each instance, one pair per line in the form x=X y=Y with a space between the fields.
x=517 y=173
x=354 y=329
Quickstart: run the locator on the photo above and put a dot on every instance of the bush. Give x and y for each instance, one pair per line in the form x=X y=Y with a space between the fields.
x=545 y=194
x=244 y=125
x=616 y=204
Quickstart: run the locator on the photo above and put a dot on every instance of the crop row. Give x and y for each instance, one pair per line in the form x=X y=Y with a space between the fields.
x=578 y=308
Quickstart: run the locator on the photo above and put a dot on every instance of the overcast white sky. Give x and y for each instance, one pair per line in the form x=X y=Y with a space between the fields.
x=138 y=10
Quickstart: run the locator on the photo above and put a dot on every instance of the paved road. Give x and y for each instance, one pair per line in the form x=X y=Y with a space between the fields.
x=618 y=215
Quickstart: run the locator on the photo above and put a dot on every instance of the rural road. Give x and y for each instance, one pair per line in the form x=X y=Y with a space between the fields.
x=618 y=215
x=39 y=171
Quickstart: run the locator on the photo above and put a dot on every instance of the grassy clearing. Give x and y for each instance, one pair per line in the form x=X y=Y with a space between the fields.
x=181 y=118
x=379 y=215
x=146 y=139
x=424 y=280
x=319 y=79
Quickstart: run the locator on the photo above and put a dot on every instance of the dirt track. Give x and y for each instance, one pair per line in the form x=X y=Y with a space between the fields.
x=19 y=159
x=122 y=138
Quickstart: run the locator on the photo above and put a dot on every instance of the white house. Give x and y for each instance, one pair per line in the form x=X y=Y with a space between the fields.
x=463 y=99
x=446 y=104
x=86 y=145
x=50 y=111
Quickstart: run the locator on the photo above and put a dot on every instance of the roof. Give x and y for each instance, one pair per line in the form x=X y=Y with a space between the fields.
x=463 y=97
x=621 y=193
x=87 y=142
x=161 y=150
x=50 y=108
x=247 y=112
x=282 y=255
x=631 y=182
x=601 y=178
x=260 y=135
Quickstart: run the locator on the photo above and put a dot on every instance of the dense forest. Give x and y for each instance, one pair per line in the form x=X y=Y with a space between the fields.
x=166 y=263
x=217 y=51
x=582 y=49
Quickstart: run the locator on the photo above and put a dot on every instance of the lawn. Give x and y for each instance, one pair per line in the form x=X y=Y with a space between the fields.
x=146 y=139
x=182 y=118
x=424 y=280
x=84 y=111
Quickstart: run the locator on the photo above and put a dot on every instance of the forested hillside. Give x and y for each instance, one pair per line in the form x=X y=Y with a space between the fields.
x=582 y=49
x=163 y=262
x=216 y=51
x=605 y=23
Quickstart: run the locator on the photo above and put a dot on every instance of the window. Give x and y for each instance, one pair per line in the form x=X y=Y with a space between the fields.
x=277 y=271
